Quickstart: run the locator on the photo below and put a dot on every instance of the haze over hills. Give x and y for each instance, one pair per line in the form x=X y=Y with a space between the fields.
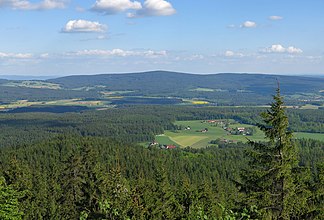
x=26 y=77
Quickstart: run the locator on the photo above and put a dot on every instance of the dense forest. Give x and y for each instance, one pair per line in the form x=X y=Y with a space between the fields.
x=87 y=165
x=135 y=123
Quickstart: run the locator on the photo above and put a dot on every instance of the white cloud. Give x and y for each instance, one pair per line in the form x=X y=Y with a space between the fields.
x=16 y=55
x=115 y=6
x=27 y=5
x=119 y=53
x=44 y=55
x=154 y=8
x=294 y=50
x=230 y=53
x=248 y=24
x=83 y=26
x=275 y=17
x=278 y=48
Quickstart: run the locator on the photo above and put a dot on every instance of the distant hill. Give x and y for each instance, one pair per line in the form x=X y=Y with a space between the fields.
x=171 y=87
x=158 y=82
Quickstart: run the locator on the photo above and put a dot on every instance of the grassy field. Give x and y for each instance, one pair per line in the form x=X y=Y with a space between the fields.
x=63 y=102
x=164 y=139
x=315 y=136
x=197 y=139
x=34 y=84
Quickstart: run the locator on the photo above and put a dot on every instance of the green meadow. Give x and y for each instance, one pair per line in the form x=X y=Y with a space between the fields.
x=33 y=84
x=195 y=138
x=316 y=136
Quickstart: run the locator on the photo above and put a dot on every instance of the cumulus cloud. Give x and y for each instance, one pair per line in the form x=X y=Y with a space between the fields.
x=115 y=6
x=248 y=24
x=154 y=8
x=278 y=48
x=16 y=55
x=27 y=5
x=83 y=26
x=294 y=50
x=118 y=53
x=275 y=17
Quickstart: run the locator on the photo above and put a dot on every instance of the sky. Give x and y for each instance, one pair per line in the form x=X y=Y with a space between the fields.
x=68 y=37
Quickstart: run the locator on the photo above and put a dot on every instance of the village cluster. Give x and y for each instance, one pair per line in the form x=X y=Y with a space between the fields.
x=225 y=124
x=162 y=146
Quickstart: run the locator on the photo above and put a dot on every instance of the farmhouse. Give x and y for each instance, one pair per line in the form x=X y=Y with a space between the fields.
x=154 y=143
x=241 y=129
x=168 y=147
x=228 y=129
x=203 y=130
x=171 y=147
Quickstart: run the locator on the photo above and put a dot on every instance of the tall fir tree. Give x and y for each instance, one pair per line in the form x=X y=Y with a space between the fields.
x=71 y=202
x=270 y=181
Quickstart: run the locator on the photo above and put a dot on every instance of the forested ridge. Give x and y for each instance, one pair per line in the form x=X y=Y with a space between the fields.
x=225 y=89
x=87 y=166
x=164 y=82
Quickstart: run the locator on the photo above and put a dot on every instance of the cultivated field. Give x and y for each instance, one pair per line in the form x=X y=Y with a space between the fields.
x=34 y=84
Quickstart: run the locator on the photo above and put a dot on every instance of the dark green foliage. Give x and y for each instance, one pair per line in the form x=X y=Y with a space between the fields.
x=133 y=123
x=84 y=166
x=11 y=94
x=274 y=182
x=9 y=204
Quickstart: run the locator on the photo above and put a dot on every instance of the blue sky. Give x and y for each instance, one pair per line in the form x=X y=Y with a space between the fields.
x=65 y=37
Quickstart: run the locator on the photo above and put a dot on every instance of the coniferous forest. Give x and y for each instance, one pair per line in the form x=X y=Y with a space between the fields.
x=161 y=110
x=90 y=165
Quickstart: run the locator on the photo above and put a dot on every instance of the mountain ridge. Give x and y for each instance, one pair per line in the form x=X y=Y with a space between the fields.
x=229 y=81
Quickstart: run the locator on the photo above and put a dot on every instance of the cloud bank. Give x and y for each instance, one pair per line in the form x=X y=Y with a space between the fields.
x=278 y=48
x=115 y=6
x=118 y=53
x=148 y=8
x=27 y=5
x=16 y=55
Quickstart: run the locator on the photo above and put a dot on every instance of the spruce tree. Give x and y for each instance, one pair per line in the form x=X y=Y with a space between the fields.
x=269 y=183
x=9 y=204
